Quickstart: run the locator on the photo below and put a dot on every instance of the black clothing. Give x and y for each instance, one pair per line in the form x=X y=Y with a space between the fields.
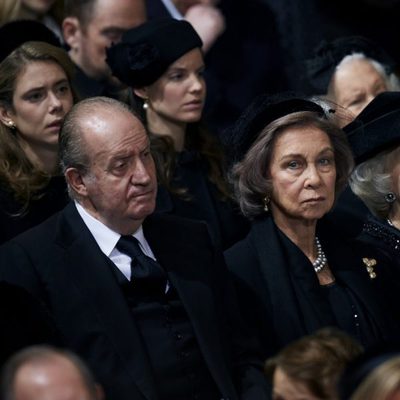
x=55 y=198
x=24 y=321
x=277 y=282
x=226 y=224
x=60 y=262
x=379 y=234
x=245 y=61
x=349 y=214
x=88 y=87
x=349 y=313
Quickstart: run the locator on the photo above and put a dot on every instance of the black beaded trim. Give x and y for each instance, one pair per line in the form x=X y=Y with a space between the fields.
x=384 y=234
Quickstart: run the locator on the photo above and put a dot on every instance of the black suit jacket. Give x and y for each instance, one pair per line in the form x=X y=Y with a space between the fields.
x=276 y=281
x=60 y=262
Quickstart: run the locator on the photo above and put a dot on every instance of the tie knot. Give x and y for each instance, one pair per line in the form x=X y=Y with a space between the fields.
x=129 y=245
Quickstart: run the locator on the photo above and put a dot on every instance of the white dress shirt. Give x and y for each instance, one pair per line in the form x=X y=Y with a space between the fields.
x=107 y=240
x=170 y=6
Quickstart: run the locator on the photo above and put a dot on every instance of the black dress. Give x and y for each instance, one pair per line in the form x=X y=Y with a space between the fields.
x=55 y=198
x=226 y=224
x=281 y=297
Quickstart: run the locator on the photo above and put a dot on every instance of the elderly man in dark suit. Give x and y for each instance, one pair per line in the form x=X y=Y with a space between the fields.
x=143 y=299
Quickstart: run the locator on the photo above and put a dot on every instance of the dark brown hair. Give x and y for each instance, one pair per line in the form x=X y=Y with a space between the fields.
x=249 y=176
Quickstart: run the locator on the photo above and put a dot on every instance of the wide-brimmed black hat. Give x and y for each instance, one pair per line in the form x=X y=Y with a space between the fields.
x=328 y=55
x=146 y=52
x=262 y=111
x=14 y=34
x=376 y=128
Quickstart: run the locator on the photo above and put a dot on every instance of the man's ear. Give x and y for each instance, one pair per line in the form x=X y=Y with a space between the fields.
x=72 y=32
x=76 y=181
x=142 y=93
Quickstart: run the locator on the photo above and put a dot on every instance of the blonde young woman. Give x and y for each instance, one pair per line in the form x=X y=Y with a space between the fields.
x=35 y=95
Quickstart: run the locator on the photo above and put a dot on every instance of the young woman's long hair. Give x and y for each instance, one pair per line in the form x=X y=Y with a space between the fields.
x=16 y=171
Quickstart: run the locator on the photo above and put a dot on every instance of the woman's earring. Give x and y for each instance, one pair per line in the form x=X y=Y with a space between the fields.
x=266 y=202
x=145 y=104
x=390 y=197
x=11 y=125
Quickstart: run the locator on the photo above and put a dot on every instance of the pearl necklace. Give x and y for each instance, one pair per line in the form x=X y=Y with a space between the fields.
x=320 y=263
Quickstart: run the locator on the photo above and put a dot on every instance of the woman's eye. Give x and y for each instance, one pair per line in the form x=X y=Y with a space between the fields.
x=325 y=161
x=34 y=97
x=176 y=76
x=293 y=164
x=63 y=89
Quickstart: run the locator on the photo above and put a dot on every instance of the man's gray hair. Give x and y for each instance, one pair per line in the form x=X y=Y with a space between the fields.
x=72 y=145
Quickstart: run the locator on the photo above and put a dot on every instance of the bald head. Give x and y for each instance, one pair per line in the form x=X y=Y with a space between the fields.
x=44 y=373
x=72 y=138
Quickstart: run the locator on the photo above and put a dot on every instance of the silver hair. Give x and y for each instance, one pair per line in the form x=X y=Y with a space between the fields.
x=372 y=180
x=391 y=80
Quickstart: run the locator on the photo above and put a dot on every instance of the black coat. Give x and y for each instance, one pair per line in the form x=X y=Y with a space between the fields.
x=280 y=293
x=61 y=263
x=12 y=223
x=224 y=220
x=24 y=321
x=379 y=234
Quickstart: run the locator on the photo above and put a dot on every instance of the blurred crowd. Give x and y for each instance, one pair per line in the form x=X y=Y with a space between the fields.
x=199 y=199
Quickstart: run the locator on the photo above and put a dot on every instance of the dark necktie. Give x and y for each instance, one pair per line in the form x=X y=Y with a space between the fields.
x=142 y=266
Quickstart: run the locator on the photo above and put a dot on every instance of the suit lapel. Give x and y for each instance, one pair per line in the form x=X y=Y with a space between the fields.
x=89 y=269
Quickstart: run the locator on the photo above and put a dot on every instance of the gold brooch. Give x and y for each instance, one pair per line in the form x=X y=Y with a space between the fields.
x=370 y=263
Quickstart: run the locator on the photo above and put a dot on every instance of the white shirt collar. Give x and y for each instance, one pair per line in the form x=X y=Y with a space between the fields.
x=170 y=6
x=104 y=236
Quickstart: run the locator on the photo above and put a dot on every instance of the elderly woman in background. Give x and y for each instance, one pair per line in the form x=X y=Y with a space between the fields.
x=35 y=95
x=375 y=140
x=351 y=71
x=310 y=367
x=163 y=62
x=294 y=273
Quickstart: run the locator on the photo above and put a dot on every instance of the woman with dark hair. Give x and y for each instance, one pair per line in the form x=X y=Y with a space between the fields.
x=163 y=63
x=294 y=273
x=35 y=95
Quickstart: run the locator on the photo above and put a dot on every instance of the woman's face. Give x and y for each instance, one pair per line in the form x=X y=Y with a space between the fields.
x=285 y=388
x=42 y=96
x=355 y=84
x=303 y=174
x=179 y=95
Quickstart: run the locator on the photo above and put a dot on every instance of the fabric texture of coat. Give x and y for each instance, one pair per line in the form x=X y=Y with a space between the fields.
x=279 y=292
x=61 y=263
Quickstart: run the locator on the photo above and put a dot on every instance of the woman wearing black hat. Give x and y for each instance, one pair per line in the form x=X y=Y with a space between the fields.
x=294 y=273
x=375 y=140
x=35 y=95
x=163 y=63
x=351 y=71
